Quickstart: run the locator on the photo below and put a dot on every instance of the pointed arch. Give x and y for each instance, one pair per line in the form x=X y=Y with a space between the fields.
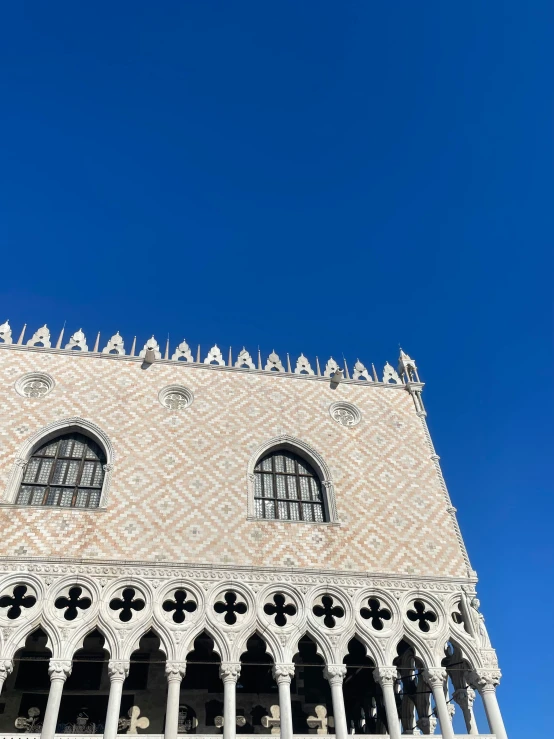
x=47 y=433
x=421 y=649
x=18 y=640
x=272 y=646
x=372 y=646
x=220 y=647
x=467 y=652
x=132 y=643
x=307 y=452
x=323 y=646
x=78 y=640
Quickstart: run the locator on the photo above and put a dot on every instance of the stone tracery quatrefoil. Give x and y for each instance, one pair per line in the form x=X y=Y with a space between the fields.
x=18 y=600
x=375 y=614
x=230 y=606
x=72 y=602
x=327 y=611
x=176 y=397
x=127 y=604
x=345 y=413
x=34 y=385
x=179 y=606
x=421 y=616
x=280 y=609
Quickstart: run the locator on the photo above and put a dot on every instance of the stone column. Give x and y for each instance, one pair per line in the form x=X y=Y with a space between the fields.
x=485 y=681
x=465 y=697
x=386 y=677
x=118 y=671
x=6 y=667
x=335 y=675
x=59 y=671
x=283 y=675
x=436 y=678
x=229 y=672
x=175 y=672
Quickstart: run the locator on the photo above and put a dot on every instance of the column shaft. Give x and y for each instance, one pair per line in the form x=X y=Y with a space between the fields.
x=172 y=709
x=492 y=709
x=485 y=681
x=175 y=672
x=229 y=709
x=283 y=674
x=335 y=675
x=59 y=671
x=52 y=708
x=118 y=671
x=229 y=672
x=442 y=713
x=436 y=678
x=386 y=676
x=285 y=710
x=114 y=707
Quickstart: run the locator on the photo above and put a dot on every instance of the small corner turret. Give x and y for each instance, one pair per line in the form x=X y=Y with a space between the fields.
x=408 y=372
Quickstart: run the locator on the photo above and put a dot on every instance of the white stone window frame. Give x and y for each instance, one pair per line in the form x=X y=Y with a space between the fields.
x=46 y=434
x=297 y=446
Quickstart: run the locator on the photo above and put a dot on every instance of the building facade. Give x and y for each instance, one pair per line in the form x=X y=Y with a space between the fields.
x=221 y=545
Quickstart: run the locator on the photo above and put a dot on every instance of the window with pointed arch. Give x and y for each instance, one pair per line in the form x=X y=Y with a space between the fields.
x=66 y=471
x=287 y=488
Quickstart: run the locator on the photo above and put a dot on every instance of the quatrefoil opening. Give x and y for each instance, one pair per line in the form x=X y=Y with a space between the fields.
x=127 y=604
x=280 y=609
x=375 y=614
x=421 y=616
x=17 y=601
x=328 y=611
x=230 y=606
x=72 y=603
x=180 y=605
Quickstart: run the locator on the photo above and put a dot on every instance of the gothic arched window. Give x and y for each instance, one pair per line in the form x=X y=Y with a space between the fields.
x=66 y=471
x=286 y=487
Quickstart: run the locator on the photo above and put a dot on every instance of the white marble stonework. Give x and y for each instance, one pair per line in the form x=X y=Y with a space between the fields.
x=158 y=547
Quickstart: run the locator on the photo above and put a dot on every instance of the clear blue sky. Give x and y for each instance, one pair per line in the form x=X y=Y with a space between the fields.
x=318 y=177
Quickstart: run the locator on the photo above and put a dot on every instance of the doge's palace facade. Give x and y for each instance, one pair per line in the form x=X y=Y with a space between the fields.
x=195 y=542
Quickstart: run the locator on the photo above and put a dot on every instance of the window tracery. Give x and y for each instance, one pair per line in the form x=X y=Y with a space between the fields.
x=287 y=488
x=66 y=471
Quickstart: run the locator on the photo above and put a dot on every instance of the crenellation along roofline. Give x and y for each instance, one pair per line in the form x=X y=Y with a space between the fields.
x=399 y=385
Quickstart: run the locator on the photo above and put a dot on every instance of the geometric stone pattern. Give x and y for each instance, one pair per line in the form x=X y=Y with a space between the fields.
x=179 y=481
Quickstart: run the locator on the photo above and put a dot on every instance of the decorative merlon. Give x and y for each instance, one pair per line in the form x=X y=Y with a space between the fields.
x=406 y=375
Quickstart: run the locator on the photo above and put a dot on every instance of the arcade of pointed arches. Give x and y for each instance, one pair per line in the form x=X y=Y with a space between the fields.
x=340 y=654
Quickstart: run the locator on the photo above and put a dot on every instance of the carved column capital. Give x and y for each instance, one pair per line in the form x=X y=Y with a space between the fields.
x=59 y=669
x=483 y=680
x=464 y=697
x=118 y=669
x=334 y=674
x=435 y=677
x=175 y=671
x=385 y=675
x=6 y=668
x=229 y=671
x=283 y=673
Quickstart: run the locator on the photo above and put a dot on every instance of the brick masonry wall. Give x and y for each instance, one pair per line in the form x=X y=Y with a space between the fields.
x=179 y=486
